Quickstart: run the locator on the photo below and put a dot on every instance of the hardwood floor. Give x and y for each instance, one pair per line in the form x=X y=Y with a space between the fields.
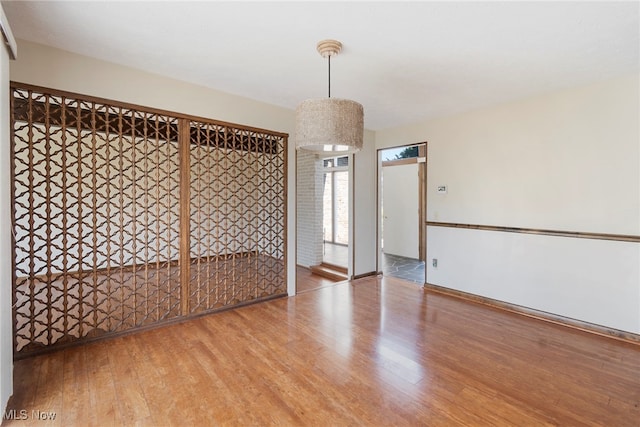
x=307 y=281
x=370 y=352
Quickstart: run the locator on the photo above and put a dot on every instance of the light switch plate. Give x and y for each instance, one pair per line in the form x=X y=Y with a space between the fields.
x=442 y=189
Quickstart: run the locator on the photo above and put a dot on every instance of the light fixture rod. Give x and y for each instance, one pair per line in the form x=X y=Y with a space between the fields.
x=326 y=49
x=329 y=57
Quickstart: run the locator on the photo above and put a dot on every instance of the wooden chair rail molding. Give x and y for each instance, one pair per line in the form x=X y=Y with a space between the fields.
x=573 y=234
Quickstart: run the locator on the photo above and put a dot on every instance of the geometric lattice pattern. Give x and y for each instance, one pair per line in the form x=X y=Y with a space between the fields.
x=237 y=204
x=97 y=197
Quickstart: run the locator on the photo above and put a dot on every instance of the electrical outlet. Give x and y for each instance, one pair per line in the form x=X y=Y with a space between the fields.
x=434 y=262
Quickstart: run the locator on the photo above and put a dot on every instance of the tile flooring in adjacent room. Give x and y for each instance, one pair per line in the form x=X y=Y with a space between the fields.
x=403 y=268
x=392 y=265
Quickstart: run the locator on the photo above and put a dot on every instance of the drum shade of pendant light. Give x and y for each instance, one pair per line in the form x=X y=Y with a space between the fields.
x=329 y=126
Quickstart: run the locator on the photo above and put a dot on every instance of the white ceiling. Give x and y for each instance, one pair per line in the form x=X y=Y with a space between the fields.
x=403 y=61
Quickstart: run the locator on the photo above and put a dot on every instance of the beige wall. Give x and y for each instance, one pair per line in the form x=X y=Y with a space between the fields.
x=567 y=161
x=58 y=69
x=6 y=329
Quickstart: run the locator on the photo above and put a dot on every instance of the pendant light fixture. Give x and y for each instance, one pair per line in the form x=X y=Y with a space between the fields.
x=329 y=126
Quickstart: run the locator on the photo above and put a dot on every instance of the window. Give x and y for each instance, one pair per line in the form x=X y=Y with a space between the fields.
x=336 y=200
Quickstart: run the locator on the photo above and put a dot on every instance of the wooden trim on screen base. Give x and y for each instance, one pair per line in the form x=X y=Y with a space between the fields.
x=604 y=331
x=45 y=349
x=573 y=234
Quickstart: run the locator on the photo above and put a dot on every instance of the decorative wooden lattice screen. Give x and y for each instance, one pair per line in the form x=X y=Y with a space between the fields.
x=126 y=217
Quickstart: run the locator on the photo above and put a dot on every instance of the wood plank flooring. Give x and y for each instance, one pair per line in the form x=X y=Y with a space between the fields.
x=307 y=281
x=369 y=352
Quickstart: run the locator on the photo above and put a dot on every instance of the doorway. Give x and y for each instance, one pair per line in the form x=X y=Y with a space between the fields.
x=402 y=212
x=324 y=212
x=335 y=212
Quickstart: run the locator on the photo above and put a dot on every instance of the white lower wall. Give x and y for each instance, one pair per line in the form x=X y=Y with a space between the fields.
x=594 y=281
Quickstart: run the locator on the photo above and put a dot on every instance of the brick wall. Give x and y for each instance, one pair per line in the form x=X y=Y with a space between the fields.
x=309 y=205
